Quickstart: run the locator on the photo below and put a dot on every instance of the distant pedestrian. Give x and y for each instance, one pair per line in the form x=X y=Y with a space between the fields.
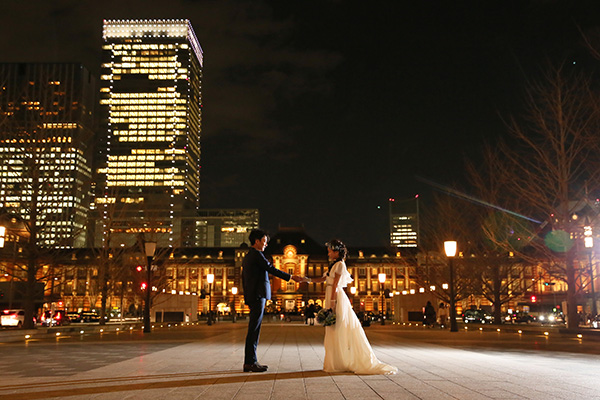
x=309 y=314
x=442 y=315
x=429 y=315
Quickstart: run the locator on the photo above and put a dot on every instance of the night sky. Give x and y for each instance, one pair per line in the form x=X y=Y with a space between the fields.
x=317 y=112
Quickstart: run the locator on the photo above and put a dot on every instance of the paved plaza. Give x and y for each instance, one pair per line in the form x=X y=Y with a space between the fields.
x=205 y=362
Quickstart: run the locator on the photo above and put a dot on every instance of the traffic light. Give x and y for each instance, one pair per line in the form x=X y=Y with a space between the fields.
x=533 y=299
x=139 y=268
x=143 y=286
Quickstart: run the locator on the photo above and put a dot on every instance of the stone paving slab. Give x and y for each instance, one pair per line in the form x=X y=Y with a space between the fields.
x=205 y=363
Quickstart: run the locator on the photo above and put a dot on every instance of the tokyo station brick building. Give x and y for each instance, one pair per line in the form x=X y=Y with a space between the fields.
x=184 y=271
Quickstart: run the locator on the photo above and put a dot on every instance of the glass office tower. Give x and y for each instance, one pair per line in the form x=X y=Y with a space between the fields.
x=46 y=128
x=404 y=222
x=151 y=98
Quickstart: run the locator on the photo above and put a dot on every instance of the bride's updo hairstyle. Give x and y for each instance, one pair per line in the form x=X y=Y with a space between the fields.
x=337 y=245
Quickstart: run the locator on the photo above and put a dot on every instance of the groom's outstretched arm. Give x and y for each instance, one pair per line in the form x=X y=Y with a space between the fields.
x=267 y=266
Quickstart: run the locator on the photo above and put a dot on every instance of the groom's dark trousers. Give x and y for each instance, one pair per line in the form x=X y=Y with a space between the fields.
x=257 y=290
x=257 y=310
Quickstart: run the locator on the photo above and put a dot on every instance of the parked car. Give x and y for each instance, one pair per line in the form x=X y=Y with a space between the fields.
x=477 y=317
x=90 y=316
x=551 y=318
x=56 y=318
x=14 y=318
x=365 y=318
x=522 y=318
x=74 y=316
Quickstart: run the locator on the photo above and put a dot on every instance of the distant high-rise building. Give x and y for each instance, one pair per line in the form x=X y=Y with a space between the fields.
x=404 y=222
x=46 y=128
x=151 y=100
x=225 y=228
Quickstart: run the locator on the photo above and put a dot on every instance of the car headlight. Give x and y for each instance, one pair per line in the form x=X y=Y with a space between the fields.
x=542 y=318
x=552 y=318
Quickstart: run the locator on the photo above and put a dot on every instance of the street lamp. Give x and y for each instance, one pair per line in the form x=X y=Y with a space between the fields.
x=450 y=249
x=392 y=309
x=382 y=282
x=588 y=241
x=234 y=292
x=150 y=248
x=2 y=241
x=210 y=278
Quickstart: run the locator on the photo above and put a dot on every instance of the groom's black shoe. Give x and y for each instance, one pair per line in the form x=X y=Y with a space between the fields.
x=263 y=366
x=254 y=368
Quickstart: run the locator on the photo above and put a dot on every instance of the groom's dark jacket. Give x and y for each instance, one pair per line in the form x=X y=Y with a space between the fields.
x=255 y=276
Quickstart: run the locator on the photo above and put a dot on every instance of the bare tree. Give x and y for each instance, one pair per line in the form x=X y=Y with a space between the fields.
x=124 y=227
x=112 y=257
x=502 y=232
x=451 y=219
x=551 y=155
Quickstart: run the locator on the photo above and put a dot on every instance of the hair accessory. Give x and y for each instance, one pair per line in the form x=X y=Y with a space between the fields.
x=335 y=245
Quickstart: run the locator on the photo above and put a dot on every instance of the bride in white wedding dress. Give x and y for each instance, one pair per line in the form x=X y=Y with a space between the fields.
x=347 y=348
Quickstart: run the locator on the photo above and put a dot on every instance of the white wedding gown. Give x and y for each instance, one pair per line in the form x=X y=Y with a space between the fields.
x=347 y=348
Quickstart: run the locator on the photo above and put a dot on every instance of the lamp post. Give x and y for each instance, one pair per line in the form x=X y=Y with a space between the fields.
x=588 y=241
x=450 y=249
x=391 y=309
x=2 y=241
x=234 y=292
x=2 y=235
x=382 y=282
x=150 y=248
x=353 y=292
x=210 y=278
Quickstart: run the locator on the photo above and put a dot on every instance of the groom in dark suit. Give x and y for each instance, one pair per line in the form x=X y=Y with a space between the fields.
x=257 y=290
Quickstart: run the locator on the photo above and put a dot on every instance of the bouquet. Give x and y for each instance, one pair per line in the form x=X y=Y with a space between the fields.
x=326 y=317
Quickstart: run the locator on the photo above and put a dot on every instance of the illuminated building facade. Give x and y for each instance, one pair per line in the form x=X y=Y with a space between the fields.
x=404 y=222
x=186 y=271
x=151 y=100
x=47 y=114
x=225 y=228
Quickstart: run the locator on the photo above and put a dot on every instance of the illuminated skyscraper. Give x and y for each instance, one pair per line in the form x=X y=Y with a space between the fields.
x=46 y=119
x=151 y=97
x=404 y=222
